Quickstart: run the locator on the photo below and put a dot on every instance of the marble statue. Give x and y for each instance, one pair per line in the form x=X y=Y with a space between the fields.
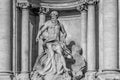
x=51 y=65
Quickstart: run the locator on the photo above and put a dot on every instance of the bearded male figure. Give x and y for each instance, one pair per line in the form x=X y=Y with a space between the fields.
x=53 y=35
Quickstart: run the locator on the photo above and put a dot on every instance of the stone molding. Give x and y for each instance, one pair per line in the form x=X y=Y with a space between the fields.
x=92 y=2
x=63 y=6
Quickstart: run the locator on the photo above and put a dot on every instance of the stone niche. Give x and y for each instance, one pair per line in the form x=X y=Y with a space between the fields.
x=71 y=19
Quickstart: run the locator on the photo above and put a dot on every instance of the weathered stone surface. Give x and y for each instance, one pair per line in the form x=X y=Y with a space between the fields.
x=5 y=40
x=110 y=34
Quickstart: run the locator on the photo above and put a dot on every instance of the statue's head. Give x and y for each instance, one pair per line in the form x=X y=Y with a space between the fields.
x=54 y=15
x=76 y=49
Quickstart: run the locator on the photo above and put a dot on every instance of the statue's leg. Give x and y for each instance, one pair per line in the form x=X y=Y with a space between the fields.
x=49 y=62
x=51 y=57
x=59 y=51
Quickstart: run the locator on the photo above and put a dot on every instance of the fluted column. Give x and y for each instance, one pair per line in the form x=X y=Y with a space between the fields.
x=83 y=11
x=119 y=34
x=91 y=51
x=42 y=19
x=101 y=35
x=91 y=45
x=110 y=35
x=5 y=40
x=25 y=41
x=110 y=64
x=84 y=30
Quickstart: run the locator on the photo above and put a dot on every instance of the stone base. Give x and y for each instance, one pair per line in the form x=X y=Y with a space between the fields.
x=23 y=76
x=64 y=76
x=90 y=76
x=6 y=76
x=108 y=76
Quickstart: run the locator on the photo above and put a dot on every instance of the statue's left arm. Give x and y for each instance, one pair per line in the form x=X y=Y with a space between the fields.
x=62 y=29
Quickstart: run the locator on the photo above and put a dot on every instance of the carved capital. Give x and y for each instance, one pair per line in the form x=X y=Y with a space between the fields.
x=92 y=2
x=23 y=5
x=82 y=7
x=43 y=10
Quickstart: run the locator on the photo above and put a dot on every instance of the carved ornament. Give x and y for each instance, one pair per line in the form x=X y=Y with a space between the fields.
x=43 y=10
x=23 y=4
x=82 y=7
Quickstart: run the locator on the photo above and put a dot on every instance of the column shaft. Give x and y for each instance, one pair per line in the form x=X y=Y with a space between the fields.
x=91 y=50
x=5 y=39
x=31 y=39
x=41 y=22
x=84 y=32
x=25 y=49
x=25 y=40
x=110 y=38
x=110 y=34
x=119 y=34
x=101 y=35
x=14 y=60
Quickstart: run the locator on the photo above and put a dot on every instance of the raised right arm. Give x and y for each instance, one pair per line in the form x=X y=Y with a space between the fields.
x=45 y=26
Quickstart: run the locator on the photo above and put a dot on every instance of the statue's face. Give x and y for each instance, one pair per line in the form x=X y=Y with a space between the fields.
x=53 y=17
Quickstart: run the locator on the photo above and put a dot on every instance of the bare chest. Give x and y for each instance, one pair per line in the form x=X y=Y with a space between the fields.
x=53 y=28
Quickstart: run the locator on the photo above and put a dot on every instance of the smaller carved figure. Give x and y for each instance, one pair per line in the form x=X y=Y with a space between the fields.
x=79 y=65
x=53 y=63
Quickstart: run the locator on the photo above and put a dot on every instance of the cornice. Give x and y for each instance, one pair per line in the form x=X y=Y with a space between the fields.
x=63 y=6
x=92 y=2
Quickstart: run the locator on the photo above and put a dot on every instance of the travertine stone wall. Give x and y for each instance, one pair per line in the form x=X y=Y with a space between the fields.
x=5 y=39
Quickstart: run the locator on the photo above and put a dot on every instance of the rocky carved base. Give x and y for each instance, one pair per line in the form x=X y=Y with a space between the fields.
x=23 y=76
x=90 y=76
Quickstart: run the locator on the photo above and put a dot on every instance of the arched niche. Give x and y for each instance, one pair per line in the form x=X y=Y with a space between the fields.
x=69 y=16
